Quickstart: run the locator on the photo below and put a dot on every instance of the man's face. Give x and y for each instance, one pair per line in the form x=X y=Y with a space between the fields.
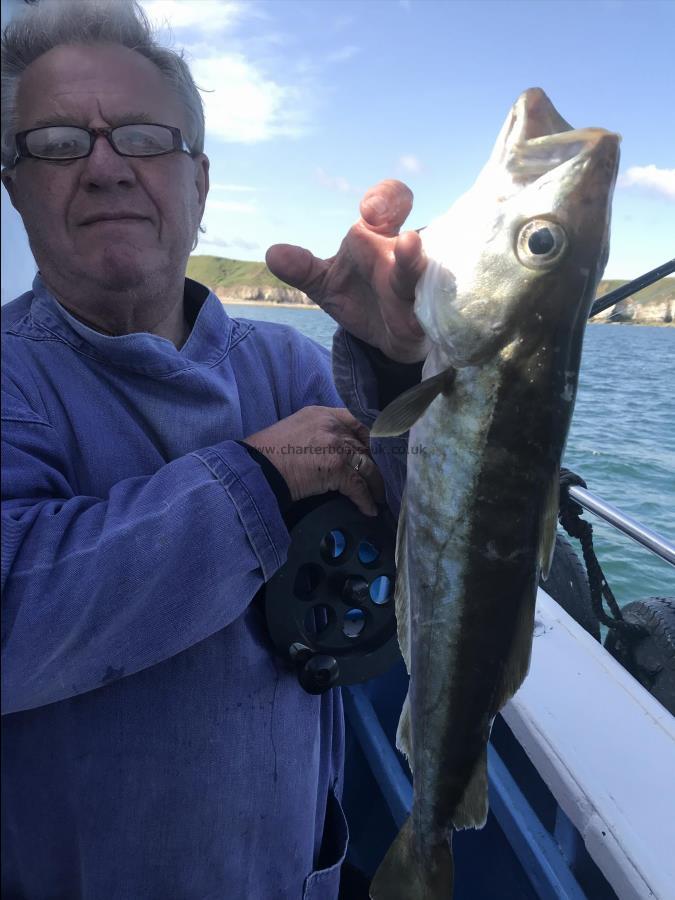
x=159 y=201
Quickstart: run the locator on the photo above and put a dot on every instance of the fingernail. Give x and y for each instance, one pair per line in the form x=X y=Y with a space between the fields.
x=376 y=204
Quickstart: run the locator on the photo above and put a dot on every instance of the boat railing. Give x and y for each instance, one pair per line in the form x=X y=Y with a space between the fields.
x=650 y=539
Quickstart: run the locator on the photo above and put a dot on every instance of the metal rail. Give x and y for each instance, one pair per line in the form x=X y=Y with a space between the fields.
x=653 y=541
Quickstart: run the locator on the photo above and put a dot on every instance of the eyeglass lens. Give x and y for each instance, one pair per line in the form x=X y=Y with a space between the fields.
x=69 y=142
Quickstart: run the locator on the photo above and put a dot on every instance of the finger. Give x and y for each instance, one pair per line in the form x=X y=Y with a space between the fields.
x=354 y=454
x=370 y=474
x=410 y=264
x=386 y=206
x=355 y=428
x=296 y=266
x=356 y=489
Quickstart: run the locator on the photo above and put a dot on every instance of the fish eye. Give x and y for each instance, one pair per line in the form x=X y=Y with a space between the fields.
x=541 y=243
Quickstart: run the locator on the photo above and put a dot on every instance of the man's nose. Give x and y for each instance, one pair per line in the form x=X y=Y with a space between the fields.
x=105 y=168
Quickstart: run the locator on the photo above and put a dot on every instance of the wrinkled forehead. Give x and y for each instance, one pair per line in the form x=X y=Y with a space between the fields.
x=95 y=84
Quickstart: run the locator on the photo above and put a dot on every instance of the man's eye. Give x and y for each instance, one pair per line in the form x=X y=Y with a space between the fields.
x=61 y=146
x=61 y=149
x=140 y=139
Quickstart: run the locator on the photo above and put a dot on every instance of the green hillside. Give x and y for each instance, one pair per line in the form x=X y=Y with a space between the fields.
x=220 y=272
x=655 y=293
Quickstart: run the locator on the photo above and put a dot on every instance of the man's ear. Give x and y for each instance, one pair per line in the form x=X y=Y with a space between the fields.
x=202 y=179
x=9 y=180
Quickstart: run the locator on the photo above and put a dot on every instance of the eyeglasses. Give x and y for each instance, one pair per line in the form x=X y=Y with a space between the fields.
x=58 y=142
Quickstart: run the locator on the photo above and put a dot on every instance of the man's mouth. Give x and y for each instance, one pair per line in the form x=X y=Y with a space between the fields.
x=117 y=217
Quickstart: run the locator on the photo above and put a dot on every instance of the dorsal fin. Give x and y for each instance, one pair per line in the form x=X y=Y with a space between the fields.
x=405 y=410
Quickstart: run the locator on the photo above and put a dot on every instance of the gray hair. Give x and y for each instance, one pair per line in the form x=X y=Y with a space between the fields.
x=51 y=23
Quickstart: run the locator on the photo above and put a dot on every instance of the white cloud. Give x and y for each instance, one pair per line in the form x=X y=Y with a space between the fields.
x=410 y=164
x=343 y=54
x=335 y=182
x=662 y=181
x=206 y=15
x=243 y=105
x=233 y=206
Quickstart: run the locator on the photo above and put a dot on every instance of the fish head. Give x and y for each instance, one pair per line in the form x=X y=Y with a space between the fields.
x=520 y=254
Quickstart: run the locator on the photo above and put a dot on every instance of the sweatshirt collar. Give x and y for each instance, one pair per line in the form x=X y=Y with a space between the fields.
x=210 y=339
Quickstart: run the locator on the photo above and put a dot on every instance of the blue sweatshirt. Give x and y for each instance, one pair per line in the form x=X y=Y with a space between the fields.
x=154 y=745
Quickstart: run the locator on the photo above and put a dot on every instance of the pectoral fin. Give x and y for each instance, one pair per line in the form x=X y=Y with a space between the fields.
x=405 y=410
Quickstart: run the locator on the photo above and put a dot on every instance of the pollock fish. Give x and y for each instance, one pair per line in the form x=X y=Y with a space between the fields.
x=512 y=270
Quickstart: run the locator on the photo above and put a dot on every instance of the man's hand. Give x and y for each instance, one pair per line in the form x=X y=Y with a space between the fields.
x=319 y=449
x=368 y=287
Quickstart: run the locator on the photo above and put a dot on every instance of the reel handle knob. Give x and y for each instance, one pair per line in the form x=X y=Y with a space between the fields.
x=319 y=674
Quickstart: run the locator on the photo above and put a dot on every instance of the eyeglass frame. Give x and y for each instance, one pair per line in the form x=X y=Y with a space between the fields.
x=22 y=151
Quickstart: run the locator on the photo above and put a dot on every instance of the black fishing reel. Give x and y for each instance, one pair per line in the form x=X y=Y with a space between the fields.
x=330 y=608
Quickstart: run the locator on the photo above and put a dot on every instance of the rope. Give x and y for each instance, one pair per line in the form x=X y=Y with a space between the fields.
x=569 y=516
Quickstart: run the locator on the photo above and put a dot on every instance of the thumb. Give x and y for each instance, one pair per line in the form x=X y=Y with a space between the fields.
x=296 y=266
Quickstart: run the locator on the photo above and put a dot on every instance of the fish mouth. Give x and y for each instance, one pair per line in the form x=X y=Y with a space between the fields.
x=534 y=158
x=535 y=139
x=531 y=116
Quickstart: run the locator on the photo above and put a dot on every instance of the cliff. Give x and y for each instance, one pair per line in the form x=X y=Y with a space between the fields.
x=234 y=280
x=655 y=305
x=247 y=293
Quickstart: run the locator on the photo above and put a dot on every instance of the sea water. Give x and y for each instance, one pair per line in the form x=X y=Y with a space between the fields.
x=622 y=439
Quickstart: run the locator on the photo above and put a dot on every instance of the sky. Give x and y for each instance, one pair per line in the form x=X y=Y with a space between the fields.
x=310 y=102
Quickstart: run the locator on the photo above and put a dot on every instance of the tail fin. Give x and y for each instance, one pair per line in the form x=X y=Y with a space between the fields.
x=404 y=874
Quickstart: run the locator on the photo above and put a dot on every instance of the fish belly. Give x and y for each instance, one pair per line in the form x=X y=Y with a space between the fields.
x=470 y=559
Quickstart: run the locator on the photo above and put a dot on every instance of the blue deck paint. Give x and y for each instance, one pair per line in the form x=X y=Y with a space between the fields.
x=528 y=849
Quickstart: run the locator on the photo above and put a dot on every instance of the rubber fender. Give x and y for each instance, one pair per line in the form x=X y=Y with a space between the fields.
x=567 y=583
x=649 y=658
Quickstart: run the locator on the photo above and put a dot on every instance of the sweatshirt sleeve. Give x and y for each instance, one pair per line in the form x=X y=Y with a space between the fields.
x=367 y=382
x=97 y=588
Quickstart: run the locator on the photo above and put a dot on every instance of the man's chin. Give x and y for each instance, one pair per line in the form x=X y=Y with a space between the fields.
x=118 y=268
x=122 y=274
x=120 y=281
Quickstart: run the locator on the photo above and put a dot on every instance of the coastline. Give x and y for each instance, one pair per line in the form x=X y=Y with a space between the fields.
x=648 y=324
x=313 y=306
x=268 y=303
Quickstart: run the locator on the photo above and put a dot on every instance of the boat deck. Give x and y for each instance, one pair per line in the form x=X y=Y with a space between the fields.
x=580 y=767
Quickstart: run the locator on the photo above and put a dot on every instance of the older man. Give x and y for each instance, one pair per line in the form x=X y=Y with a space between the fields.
x=154 y=747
